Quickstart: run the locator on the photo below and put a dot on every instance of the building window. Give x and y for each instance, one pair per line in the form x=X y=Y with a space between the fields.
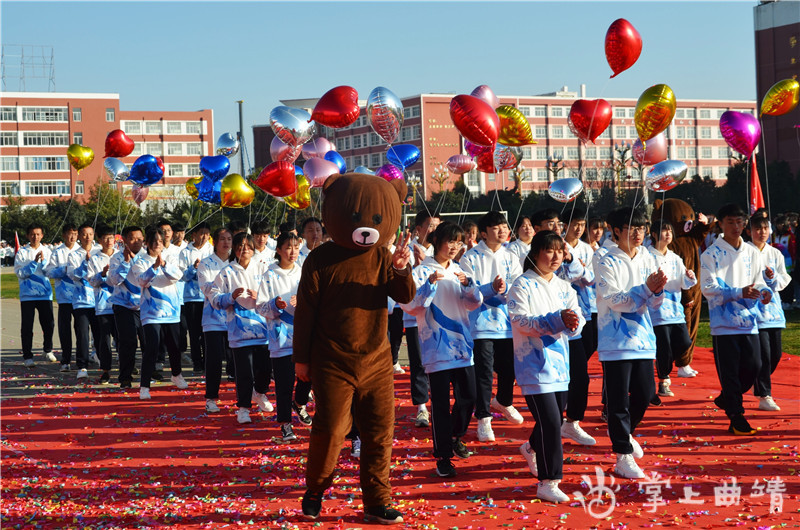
x=192 y=170
x=591 y=174
x=705 y=114
x=76 y=114
x=8 y=113
x=79 y=187
x=681 y=153
x=705 y=152
x=681 y=132
x=526 y=153
x=590 y=153
x=723 y=152
x=691 y=132
x=557 y=131
x=572 y=153
x=357 y=141
x=46 y=163
x=9 y=163
x=44 y=114
x=155 y=149
x=691 y=153
x=605 y=153
x=574 y=173
x=152 y=127
x=556 y=112
x=374 y=139
x=606 y=133
x=541 y=174
x=109 y=115
x=541 y=131
x=632 y=132
x=411 y=112
x=77 y=138
x=137 y=150
x=526 y=111
x=539 y=111
x=9 y=188
x=132 y=127
x=375 y=160
x=620 y=132
x=193 y=127
x=47 y=187
x=720 y=112
x=690 y=114
x=174 y=148
x=705 y=133
x=619 y=112
x=558 y=152
x=175 y=170
x=45 y=138
x=707 y=172
x=8 y=138
x=541 y=153
x=343 y=144
x=194 y=149
x=173 y=127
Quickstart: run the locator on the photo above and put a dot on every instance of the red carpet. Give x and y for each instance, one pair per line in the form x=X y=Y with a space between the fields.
x=104 y=459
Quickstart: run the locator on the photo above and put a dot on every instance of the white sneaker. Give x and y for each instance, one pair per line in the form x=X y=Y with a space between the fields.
x=423 y=418
x=243 y=415
x=159 y=366
x=398 y=369
x=50 y=356
x=144 y=392
x=637 y=449
x=530 y=457
x=355 y=448
x=574 y=432
x=65 y=368
x=179 y=381
x=664 y=388
x=263 y=403
x=627 y=467
x=509 y=412
x=687 y=371
x=485 y=432
x=93 y=359
x=548 y=491
x=211 y=406
x=28 y=363
x=767 y=403
x=83 y=373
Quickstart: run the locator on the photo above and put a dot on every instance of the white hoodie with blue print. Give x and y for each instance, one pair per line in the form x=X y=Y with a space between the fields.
x=33 y=283
x=160 y=302
x=246 y=327
x=625 y=329
x=186 y=260
x=281 y=283
x=771 y=315
x=541 y=340
x=56 y=269
x=724 y=271
x=671 y=310
x=78 y=270
x=102 y=289
x=580 y=274
x=208 y=269
x=124 y=293
x=442 y=311
x=490 y=320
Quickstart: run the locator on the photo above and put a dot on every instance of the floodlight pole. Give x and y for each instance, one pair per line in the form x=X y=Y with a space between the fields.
x=241 y=139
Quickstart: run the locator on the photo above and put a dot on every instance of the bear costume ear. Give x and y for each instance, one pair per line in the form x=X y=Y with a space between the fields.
x=657 y=204
x=330 y=180
x=400 y=187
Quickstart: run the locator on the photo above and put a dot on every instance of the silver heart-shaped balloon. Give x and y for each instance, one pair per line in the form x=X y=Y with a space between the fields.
x=293 y=126
x=227 y=145
x=385 y=113
x=116 y=170
x=565 y=190
x=666 y=175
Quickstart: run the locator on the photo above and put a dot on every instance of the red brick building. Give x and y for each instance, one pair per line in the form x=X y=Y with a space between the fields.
x=37 y=128
x=693 y=137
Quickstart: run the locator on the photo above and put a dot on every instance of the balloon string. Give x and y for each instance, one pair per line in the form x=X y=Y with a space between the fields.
x=116 y=222
x=661 y=223
x=64 y=220
x=747 y=186
x=766 y=175
x=205 y=218
x=97 y=211
x=519 y=210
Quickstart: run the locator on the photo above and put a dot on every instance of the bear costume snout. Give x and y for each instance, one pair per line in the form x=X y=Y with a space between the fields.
x=364 y=236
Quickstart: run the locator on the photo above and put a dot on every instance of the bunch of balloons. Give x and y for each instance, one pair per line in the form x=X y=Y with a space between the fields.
x=216 y=186
x=145 y=171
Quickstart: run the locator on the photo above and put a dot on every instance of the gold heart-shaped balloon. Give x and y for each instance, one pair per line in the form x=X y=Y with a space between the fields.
x=79 y=156
x=301 y=199
x=235 y=192
x=514 y=127
x=191 y=187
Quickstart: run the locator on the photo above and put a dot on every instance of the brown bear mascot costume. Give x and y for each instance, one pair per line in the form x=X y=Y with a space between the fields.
x=689 y=232
x=340 y=338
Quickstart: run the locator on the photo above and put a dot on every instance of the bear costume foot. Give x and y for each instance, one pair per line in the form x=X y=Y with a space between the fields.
x=382 y=515
x=312 y=504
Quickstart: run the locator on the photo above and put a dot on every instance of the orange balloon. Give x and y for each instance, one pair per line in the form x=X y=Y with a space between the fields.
x=654 y=111
x=301 y=199
x=514 y=127
x=781 y=98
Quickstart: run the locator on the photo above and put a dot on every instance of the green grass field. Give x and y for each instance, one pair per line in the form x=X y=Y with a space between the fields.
x=9 y=288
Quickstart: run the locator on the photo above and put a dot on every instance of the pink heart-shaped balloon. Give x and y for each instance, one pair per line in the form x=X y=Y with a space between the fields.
x=280 y=151
x=317 y=148
x=740 y=130
x=389 y=172
x=654 y=151
x=317 y=171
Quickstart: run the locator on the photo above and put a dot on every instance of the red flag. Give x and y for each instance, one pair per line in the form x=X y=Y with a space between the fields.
x=16 y=242
x=756 y=197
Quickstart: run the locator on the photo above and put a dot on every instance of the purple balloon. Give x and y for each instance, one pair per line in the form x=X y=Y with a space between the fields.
x=475 y=150
x=317 y=148
x=460 y=164
x=486 y=94
x=740 y=130
x=280 y=151
x=317 y=171
x=389 y=172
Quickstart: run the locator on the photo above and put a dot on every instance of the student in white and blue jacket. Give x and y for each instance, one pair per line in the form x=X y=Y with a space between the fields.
x=215 y=321
x=192 y=308
x=83 y=315
x=236 y=291
x=628 y=283
x=103 y=310
x=159 y=308
x=669 y=320
x=277 y=298
x=56 y=269
x=771 y=318
x=732 y=280
x=493 y=269
x=124 y=300
x=445 y=296
x=545 y=315
x=35 y=292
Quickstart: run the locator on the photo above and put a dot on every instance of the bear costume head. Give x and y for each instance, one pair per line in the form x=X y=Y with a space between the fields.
x=678 y=213
x=360 y=211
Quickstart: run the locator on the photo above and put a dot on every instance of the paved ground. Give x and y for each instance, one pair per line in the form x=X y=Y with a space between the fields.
x=18 y=381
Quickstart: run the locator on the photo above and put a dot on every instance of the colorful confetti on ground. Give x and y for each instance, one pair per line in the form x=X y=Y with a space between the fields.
x=100 y=458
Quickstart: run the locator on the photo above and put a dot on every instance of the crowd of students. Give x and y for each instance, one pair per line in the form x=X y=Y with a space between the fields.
x=532 y=309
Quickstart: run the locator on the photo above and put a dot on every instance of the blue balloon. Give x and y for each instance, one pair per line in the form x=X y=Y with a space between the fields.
x=403 y=155
x=209 y=191
x=298 y=171
x=336 y=158
x=364 y=170
x=146 y=171
x=214 y=167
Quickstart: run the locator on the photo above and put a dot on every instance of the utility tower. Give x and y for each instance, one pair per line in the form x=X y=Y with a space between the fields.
x=23 y=63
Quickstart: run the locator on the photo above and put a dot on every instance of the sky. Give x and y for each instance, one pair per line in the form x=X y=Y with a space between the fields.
x=197 y=55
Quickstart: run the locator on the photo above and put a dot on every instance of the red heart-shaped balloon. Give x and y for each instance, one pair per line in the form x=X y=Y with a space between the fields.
x=475 y=119
x=588 y=118
x=277 y=179
x=485 y=162
x=118 y=144
x=623 y=45
x=160 y=164
x=337 y=108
